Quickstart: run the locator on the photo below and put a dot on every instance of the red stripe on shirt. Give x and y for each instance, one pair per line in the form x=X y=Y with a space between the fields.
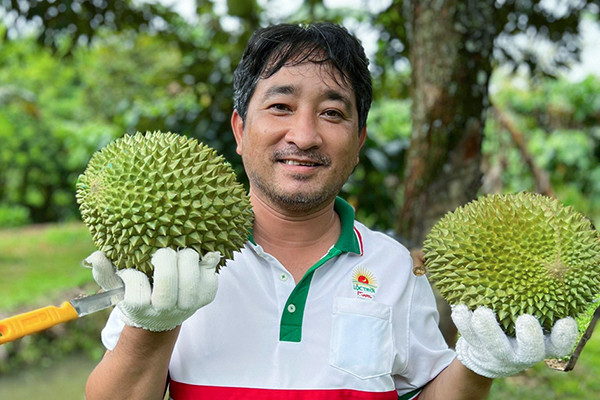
x=360 y=242
x=183 y=391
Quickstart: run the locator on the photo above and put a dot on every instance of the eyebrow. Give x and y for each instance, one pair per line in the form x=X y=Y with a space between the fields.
x=279 y=89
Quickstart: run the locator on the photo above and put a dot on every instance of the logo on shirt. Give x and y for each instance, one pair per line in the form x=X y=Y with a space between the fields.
x=364 y=283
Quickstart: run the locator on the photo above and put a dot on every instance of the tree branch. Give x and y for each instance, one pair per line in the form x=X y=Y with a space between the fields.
x=542 y=179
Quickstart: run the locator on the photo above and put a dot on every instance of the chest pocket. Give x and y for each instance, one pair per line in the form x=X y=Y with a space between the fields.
x=361 y=338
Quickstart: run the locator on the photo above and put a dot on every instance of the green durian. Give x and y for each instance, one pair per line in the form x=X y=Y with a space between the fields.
x=146 y=191
x=516 y=254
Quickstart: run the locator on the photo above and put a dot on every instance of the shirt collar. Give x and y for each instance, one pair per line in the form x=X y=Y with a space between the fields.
x=348 y=242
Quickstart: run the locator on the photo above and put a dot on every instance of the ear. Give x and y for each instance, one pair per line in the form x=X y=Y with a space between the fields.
x=237 y=125
x=362 y=137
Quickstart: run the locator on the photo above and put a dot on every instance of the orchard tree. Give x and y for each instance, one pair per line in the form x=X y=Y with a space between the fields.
x=452 y=47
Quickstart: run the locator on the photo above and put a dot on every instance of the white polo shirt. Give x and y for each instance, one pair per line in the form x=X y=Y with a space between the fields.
x=359 y=325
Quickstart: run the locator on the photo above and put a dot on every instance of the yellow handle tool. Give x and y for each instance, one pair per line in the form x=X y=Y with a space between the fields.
x=16 y=327
x=20 y=325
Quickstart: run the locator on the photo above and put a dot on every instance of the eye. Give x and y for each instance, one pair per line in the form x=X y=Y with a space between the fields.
x=333 y=114
x=279 y=107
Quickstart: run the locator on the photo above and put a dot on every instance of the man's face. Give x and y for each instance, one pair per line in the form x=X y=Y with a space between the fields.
x=300 y=141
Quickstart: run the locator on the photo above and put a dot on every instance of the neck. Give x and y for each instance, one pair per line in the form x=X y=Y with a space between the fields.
x=297 y=241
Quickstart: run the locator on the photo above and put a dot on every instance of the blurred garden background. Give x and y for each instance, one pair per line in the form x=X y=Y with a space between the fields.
x=471 y=97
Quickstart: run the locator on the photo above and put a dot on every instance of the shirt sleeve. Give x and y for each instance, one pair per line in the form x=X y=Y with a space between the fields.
x=428 y=353
x=112 y=330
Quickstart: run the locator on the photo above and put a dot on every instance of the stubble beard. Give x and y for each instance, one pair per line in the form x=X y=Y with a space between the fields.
x=299 y=202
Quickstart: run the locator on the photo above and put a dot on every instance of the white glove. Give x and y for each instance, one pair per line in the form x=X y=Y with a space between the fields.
x=182 y=284
x=486 y=350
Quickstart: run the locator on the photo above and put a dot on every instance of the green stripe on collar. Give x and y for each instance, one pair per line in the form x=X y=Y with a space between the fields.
x=290 y=329
x=347 y=241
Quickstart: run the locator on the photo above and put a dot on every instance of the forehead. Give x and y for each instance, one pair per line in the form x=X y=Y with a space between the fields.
x=307 y=76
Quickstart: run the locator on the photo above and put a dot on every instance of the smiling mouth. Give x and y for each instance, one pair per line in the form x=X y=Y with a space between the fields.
x=300 y=163
x=298 y=158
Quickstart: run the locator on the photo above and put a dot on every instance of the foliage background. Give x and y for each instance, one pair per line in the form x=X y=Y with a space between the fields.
x=79 y=74
x=63 y=97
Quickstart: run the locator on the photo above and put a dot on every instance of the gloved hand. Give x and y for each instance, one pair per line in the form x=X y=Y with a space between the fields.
x=182 y=284
x=486 y=350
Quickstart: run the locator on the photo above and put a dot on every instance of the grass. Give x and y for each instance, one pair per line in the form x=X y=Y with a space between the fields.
x=58 y=382
x=41 y=261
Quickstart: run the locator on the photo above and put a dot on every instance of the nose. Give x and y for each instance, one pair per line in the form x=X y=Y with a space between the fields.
x=304 y=131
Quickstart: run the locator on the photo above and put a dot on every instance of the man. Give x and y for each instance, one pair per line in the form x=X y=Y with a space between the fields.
x=316 y=306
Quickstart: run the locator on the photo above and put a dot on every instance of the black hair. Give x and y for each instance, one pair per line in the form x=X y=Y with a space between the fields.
x=324 y=43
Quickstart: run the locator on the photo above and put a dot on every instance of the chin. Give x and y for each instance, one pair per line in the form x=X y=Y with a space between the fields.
x=300 y=197
x=303 y=201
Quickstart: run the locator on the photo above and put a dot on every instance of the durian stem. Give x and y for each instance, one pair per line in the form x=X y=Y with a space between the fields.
x=584 y=338
x=570 y=363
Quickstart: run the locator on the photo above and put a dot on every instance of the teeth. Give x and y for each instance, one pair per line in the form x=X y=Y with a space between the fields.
x=292 y=162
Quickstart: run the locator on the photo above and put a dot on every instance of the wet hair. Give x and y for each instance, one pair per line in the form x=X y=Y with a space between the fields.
x=323 y=43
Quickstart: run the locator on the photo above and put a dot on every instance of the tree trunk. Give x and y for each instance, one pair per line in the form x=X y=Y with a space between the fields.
x=450 y=49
